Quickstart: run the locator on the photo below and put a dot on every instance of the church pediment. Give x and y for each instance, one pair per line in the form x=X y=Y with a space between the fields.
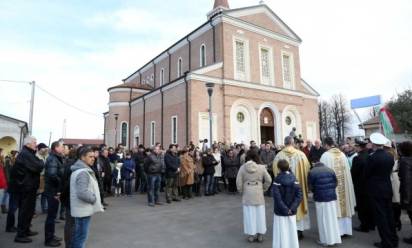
x=264 y=17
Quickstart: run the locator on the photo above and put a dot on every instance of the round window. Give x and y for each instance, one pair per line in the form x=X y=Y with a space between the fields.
x=288 y=120
x=240 y=117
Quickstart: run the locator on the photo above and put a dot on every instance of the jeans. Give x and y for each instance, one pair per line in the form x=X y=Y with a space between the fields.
x=80 y=232
x=153 y=187
x=43 y=203
x=11 y=218
x=49 y=226
x=143 y=182
x=209 y=184
x=68 y=228
x=128 y=186
x=172 y=192
x=5 y=198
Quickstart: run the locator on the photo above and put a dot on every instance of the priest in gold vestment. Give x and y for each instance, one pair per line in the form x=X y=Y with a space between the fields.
x=336 y=160
x=299 y=166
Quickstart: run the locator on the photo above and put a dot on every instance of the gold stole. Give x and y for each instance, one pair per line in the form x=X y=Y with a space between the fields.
x=339 y=168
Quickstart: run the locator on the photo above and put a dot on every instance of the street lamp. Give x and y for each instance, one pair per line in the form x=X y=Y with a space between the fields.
x=209 y=87
x=116 y=117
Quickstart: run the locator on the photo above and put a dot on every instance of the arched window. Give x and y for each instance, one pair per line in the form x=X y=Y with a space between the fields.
x=202 y=55
x=179 y=67
x=124 y=133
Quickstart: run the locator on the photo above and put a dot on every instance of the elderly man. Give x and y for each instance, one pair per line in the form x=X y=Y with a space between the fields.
x=316 y=152
x=378 y=174
x=299 y=165
x=336 y=160
x=24 y=183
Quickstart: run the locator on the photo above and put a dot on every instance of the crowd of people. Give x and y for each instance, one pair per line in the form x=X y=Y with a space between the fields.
x=72 y=183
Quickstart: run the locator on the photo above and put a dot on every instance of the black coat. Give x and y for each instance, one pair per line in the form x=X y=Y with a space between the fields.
x=65 y=193
x=378 y=174
x=315 y=154
x=53 y=174
x=106 y=168
x=405 y=177
x=209 y=162
x=25 y=174
x=358 y=173
x=231 y=166
x=172 y=163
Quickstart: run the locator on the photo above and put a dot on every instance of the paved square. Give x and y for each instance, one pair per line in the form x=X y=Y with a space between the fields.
x=205 y=222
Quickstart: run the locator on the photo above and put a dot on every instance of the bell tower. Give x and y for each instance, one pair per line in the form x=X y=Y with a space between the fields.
x=219 y=6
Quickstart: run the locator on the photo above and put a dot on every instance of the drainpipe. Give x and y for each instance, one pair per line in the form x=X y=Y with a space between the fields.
x=144 y=121
x=161 y=117
x=190 y=53
x=130 y=116
x=187 y=108
x=214 y=40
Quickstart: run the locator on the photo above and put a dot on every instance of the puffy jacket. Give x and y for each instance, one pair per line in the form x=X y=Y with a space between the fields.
x=53 y=174
x=172 y=163
x=267 y=158
x=252 y=180
x=287 y=194
x=154 y=164
x=209 y=162
x=231 y=166
x=25 y=174
x=322 y=180
x=127 y=169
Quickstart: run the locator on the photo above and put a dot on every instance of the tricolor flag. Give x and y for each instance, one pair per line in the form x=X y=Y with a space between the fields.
x=387 y=121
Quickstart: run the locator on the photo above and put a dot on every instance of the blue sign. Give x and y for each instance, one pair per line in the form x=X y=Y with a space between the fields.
x=365 y=102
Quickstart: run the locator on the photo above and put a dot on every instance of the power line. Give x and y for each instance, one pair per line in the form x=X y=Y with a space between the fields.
x=53 y=96
x=66 y=103
x=15 y=81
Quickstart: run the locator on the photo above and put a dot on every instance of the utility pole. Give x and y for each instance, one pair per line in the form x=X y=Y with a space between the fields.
x=33 y=87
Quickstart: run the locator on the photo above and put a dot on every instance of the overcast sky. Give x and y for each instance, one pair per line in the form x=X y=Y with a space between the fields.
x=76 y=49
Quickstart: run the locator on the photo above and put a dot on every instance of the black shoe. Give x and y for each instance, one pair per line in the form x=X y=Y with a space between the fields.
x=32 y=233
x=56 y=221
x=360 y=229
x=169 y=201
x=57 y=238
x=62 y=218
x=408 y=240
x=176 y=200
x=105 y=204
x=300 y=235
x=11 y=230
x=52 y=243
x=378 y=244
x=23 y=240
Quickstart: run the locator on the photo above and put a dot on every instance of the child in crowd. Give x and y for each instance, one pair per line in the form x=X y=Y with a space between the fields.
x=117 y=179
x=287 y=196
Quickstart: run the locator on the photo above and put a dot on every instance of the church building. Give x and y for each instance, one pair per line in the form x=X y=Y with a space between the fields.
x=249 y=55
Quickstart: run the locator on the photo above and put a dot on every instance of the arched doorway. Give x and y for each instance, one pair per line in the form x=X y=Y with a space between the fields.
x=267 y=126
x=8 y=144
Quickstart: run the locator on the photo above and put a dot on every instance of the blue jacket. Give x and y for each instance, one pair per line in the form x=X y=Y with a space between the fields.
x=287 y=194
x=127 y=169
x=322 y=181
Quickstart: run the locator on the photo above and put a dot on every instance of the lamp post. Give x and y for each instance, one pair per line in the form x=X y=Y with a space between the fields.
x=116 y=117
x=209 y=87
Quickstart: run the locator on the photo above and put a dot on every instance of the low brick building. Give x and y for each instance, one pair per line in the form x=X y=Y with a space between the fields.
x=252 y=58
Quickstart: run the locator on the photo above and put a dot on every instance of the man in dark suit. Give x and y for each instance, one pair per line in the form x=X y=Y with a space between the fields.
x=24 y=183
x=363 y=207
x=377 y=173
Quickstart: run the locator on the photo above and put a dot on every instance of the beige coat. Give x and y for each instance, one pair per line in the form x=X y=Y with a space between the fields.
x=252 y=181
x=187 y=170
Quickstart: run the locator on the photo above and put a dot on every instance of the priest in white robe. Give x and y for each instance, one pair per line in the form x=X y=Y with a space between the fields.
x=345 y=207
x=299 y=166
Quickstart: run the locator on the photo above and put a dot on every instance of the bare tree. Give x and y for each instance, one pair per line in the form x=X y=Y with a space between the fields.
x=373 y=112
x=325 y=120
x=341 y=116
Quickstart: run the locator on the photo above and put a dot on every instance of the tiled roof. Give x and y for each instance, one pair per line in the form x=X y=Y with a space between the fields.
x=372 y=121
